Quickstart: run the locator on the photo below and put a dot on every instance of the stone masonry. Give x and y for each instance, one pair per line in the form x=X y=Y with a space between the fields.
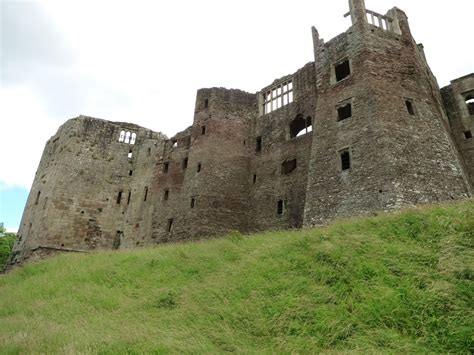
x=364 y=128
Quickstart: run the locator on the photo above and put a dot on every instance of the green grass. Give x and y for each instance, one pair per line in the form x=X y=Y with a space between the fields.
x=395 y=283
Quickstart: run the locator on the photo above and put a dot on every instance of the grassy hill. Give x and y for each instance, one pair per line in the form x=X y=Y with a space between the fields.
x=392 y=283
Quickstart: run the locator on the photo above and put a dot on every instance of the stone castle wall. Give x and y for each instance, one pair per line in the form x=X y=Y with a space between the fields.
x=363 y=128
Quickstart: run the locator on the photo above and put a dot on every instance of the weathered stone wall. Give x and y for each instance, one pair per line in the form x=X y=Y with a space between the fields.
x=371 y=135
x=461 y=118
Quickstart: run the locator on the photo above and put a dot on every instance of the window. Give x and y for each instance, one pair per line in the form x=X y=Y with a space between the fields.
x=300 y=126
x=122 y=136
x=410 y=107
x=146 y=193
x=129 y=196
x=280 y=207
x=254 y=178
x=174 y=143
x=199 y=168
x=169 y=225
x=37 y=197
x=278 y=96
x=343 y=70
x=130 y=154
x=288 y=166
x=130 y=173
x=166 y=195
x=133 y=138
x=119 y=197
x=345 y=160
x=470 y=104
x=258 y=144
x=203 y=130
x=127 y=137
x=468 y=134
x=193 y=202
x=206 y=103
x=344 y=112
x=166 y=166
x=184 y=164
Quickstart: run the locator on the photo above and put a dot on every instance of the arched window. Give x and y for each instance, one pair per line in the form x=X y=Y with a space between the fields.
x=127 y=137
x=470 y=104
x=122 y=136
x=133 y=139
x=300 y=126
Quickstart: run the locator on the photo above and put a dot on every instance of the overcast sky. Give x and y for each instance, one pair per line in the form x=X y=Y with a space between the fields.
x=142 y=61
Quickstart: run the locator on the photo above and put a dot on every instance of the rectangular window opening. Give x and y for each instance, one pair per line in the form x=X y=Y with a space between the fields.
x=37 y=197
x=130 y=173
x=277 y=97
x=206 y=103
x=288 y=166
x=203 y=130
x=345 y=160
x=166 y=195
x=193 y=202
x=468 y=134
x=258 y=144
x=199 y=167
x=119 y=197
x=254 y=178
x=343 y=70
x=169 y=225
x=410 y=107
x=280 y=207
x=129 y=196
x=130 y=154
x=184 y=164
x=166 y=167
x=146 y=193
x=344 y=112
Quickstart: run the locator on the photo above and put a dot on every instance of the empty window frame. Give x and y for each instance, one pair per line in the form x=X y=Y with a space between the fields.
x=174 y=143
x=122 y=136
x=278 y=96
x=193 y=202
x=203 y=130
x=468 y=134
x=258 y=144
x=166 y=167
x=184 y=163
x=169 y=225
x=127 y=137
x=199 y=166
x=166 y=195
x=206 y=103
x=342 y=70
x=344 y=111
x=300 y=126
x=130 y=154
x=345 y=159
x=254 y=178
x=410 y=107
x=280 y=207
x=470 y=104
x=288 y=166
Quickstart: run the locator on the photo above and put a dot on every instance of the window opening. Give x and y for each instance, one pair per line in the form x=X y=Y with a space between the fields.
x=130 y=154
x=345 y=160
x=166 y=167
x=278 y=96
x=206 y=103
x=130 y=173
x=344 y=112
x=343 y=70
x=37 y=197
x=122 y=136
x=199 y=168
x=288 y=166
x=300 y=126
x=468 y=134
x=258 y=144
x=470 y=104
x=174 y=143
x=149 y=151
x=280 y=207
x=127 y=137
x=410 y=107
x=146 y=193
x=169 y=225
x=193 y=202
x=129 y=196
x=166 y=195
x=254 y=178
x=185 y=163
x=203 y=130
x=119 y=197
x=133 y=138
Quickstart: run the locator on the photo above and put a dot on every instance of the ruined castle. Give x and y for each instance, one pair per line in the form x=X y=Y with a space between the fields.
x=363 y=128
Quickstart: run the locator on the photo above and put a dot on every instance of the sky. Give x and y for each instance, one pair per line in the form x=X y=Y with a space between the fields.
x=142 y=61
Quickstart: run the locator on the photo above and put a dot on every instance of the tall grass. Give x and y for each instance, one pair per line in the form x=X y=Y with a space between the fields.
x=394 y=283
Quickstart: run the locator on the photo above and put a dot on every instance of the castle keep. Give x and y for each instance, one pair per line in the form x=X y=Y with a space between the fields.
x=363 y=128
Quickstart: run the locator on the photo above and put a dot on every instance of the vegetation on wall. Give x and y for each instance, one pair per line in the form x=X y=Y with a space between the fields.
x=398 y=283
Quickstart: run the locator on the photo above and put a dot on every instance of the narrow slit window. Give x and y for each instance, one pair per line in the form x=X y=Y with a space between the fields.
x=193 y=202
x=129 y=197
x=254 y=178
x=343 y=70
x=166 y=167
x=410 y=107
x=146 y=193
x=203 y=130
x=169 y=225
x=344 y=112
x=184 y=163
x=345 y=160
x=280 y=207
x=258 y=144
x=37 y=197
x=206 y=103
x=119 y=197
x=199 y=167
x=166 y=195
x=468 y=134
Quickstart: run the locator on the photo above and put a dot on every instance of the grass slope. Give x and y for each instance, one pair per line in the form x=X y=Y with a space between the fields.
x=393 y=283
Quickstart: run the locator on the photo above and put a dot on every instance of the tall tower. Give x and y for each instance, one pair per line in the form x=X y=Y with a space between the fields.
x=380 y=138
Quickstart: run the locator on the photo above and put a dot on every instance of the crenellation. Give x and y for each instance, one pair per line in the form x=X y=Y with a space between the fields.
x=362 y=129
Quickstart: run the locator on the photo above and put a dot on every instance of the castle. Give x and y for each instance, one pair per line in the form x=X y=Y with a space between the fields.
x=363 y=128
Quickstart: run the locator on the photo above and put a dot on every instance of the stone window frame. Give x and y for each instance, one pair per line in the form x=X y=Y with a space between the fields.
x=333 y=79
x=277 y=96
x=466 y=96
x=341 y=104
x=339 y=159
x=127 y=137
x=408 y=100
